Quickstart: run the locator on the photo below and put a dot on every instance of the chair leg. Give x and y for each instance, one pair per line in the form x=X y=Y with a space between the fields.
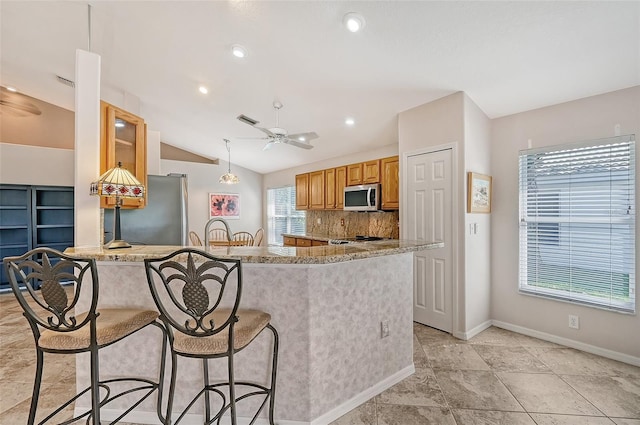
x=95 y=388
x=172 y=384
x=163 y=363
x=232 y=386
x=274 y=368
x=207 y=403
x=36 y=386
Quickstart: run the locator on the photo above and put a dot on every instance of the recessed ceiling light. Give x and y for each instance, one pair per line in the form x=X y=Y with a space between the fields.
x=238 y=51
x=349 y=121
x=301 y=138
x=13 y=89
x=203 y=89
x=353 y=21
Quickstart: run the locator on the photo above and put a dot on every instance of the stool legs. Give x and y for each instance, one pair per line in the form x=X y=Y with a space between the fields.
x=36 y=387
x=274 y=368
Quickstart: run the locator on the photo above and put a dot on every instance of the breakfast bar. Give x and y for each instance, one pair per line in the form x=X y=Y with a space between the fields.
x=327 y=303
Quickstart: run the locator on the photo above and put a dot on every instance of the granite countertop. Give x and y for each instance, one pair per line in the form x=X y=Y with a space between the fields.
x=312 y=236
x=267 y=254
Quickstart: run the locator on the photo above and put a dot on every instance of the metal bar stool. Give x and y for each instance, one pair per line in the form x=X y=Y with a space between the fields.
x=57 y=329
x=198 y=296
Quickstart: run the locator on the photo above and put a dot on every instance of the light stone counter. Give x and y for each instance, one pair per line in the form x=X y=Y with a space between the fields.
x=268 y=254
x=327 y=304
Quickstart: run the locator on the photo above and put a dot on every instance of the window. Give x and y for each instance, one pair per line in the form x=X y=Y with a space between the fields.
x=577 y=223
x=282 y=216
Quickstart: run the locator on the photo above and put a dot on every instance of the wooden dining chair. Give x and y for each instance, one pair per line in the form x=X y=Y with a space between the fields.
x=218 y=235
x=195 y=239
x=257 y=238
x=245 y=237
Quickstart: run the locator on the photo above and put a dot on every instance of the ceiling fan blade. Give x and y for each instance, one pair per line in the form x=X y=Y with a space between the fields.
x=304 y=137
x=268 y=146
x=266 y=131
x=252 y=138
x=297 y=144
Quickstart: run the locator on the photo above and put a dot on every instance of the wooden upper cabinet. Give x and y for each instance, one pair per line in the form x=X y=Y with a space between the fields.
x=302 y=191
x=371 y=172
x=316 y=190
x=390 y=177
x=123 y=138
x=341 y=182
x=330 y=193
x=354 y=174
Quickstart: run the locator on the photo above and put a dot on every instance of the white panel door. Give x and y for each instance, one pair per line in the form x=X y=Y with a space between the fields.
x=429 y=187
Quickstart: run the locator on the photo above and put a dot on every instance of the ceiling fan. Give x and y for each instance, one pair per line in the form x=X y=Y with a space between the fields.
x=279 y=135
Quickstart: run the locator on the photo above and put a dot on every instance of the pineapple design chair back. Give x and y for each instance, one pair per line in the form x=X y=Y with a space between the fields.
x=198 y=297
x=37 y=279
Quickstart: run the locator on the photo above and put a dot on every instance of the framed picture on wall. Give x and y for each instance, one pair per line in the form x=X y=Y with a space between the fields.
x=224 y=205
x=478 y=193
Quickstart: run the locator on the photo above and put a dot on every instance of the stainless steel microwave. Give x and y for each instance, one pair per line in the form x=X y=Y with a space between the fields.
x=365 y=197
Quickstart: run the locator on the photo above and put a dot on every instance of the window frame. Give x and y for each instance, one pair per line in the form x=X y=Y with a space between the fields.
x=292 y=213
x=575 y=223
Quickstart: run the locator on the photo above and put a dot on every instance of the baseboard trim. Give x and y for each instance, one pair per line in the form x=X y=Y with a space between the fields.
x=610 y=354
x=473 y=332
x=364 y=396
x=151 y=418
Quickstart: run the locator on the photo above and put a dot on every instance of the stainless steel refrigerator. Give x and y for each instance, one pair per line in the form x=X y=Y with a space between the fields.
x=163 y=221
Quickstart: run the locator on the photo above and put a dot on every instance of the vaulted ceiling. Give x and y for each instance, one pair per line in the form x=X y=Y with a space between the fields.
x=507 y=56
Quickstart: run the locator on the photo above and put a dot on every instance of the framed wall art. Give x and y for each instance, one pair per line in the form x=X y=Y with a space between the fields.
x=478 y=193
x=224 y=205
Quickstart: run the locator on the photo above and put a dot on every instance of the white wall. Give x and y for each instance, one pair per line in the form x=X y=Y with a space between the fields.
x=590 y=118
x=477 y=157
x=437 y=123
x=203 y=179
x=34 y=165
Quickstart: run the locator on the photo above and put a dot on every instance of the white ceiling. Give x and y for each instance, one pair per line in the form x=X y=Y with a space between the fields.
x=507 y=56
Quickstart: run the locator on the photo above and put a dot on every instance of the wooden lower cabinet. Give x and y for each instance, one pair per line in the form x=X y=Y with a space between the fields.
x=302 y=242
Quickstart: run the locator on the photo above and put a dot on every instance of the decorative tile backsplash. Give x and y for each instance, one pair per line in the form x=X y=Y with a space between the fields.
x=379 y=223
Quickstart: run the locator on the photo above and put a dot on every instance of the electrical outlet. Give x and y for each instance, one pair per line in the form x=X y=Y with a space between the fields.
x=384 y=329
x=342 y=222
x=574 y=322
x=319 y=220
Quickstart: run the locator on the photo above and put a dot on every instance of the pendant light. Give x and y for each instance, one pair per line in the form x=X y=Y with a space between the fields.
x=229 y=177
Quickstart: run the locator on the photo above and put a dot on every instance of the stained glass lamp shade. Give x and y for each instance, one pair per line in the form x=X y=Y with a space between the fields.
x=119 y=183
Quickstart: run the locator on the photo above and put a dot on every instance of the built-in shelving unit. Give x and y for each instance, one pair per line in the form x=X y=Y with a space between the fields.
x=34 y=216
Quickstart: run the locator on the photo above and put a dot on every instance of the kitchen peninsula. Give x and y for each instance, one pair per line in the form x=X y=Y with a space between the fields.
x=327 y=303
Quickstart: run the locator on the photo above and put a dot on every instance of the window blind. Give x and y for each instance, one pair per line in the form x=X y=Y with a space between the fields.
x=577 y=222
x=282 y=216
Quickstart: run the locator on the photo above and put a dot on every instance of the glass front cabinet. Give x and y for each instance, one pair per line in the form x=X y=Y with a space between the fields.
x=123 y=138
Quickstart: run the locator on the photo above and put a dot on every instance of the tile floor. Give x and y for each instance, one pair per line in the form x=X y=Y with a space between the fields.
x=498 y=377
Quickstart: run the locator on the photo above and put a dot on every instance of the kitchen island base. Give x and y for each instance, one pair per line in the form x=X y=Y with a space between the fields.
x=332 y=353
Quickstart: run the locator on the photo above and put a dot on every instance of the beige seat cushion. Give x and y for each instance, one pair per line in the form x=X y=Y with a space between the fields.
x=250 y=323
x=111 y=325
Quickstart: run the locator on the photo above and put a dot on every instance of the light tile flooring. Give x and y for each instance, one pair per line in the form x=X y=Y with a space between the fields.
x=498 y=377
